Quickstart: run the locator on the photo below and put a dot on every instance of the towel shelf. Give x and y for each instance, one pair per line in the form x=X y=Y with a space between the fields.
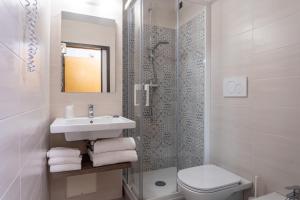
x=87 y=168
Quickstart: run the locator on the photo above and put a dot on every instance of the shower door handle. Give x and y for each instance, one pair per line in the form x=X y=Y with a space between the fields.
x=147 y=89
x=136 y=88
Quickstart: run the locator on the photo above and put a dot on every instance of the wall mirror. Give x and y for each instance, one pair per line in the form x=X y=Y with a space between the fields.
x=88 y=53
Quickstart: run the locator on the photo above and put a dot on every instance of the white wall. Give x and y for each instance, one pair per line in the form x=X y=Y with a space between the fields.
x=163 y=13
x=258 y=135
x=105 y=104
x=24 y=108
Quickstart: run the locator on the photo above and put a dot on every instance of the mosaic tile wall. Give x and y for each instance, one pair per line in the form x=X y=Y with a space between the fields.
x=160 y=137
x=125 y=66
x=160 y=117
x=191 y=92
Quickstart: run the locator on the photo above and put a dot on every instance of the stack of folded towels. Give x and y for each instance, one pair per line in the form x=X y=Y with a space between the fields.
x=113 y=151
x=64 y=159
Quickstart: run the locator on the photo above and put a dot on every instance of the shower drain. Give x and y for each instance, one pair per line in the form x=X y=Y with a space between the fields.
x=160 y=183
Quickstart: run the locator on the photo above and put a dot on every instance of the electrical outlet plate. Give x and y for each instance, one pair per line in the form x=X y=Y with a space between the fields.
x=235 y=86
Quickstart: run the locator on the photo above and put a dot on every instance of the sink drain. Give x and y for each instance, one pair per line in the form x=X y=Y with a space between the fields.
x=160 y=183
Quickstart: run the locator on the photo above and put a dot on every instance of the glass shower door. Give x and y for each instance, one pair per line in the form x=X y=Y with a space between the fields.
x=165 y=92
x=135 y=92
x=159 y=113
x=152 y=98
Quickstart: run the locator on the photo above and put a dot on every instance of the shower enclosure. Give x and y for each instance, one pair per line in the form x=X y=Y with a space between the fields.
x=164 y=91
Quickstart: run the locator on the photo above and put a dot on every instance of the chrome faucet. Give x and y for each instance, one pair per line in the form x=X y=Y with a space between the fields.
x=91 y=111
x=295 y=194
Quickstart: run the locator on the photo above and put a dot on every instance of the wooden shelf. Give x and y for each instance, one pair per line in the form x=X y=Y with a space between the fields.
x=87 y=168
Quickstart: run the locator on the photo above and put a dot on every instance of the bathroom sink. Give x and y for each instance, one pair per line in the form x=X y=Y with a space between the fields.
x=84 y=128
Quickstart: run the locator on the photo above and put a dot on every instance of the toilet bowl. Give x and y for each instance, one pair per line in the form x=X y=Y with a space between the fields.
x=209 y=182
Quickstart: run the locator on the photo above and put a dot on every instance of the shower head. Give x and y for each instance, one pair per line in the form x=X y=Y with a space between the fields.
x=160 y=43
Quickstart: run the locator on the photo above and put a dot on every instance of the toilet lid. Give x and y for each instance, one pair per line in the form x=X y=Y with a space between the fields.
x=208 y=178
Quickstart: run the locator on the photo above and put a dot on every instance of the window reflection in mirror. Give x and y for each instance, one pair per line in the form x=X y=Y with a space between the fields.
x=85 y=68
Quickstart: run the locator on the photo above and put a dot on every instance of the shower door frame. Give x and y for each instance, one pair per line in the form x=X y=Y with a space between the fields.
x=207 y=92
x=138 y=195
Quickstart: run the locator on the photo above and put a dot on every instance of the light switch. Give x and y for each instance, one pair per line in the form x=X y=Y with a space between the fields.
x=235 y=86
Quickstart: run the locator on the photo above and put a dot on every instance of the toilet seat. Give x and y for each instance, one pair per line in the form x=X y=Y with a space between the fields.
x=205 y=191
x=207 y=179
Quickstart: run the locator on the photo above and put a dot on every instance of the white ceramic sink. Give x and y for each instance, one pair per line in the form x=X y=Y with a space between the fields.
x=84 y=128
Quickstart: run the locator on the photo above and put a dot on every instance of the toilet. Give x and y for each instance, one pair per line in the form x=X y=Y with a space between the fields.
x=209 y=182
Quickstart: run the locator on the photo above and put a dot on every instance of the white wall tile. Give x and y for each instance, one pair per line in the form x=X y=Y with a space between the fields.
x=9 y=152
x=34 y=125
x=10 y=36
x=268 y=11
x=14 y=192
x=236 y=16
x=24 y=105
x=258 y=135
x=280 y=91
x=32 y=171
x=282 y=62
x=279 y=121
x=236 y=50
x=281 y=33
x=10 y=84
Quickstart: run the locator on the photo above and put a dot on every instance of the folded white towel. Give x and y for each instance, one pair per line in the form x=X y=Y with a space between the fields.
x=63 y=152
x=64 y=160
x=114 y=144
x=63 y=168
x=113 y=157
